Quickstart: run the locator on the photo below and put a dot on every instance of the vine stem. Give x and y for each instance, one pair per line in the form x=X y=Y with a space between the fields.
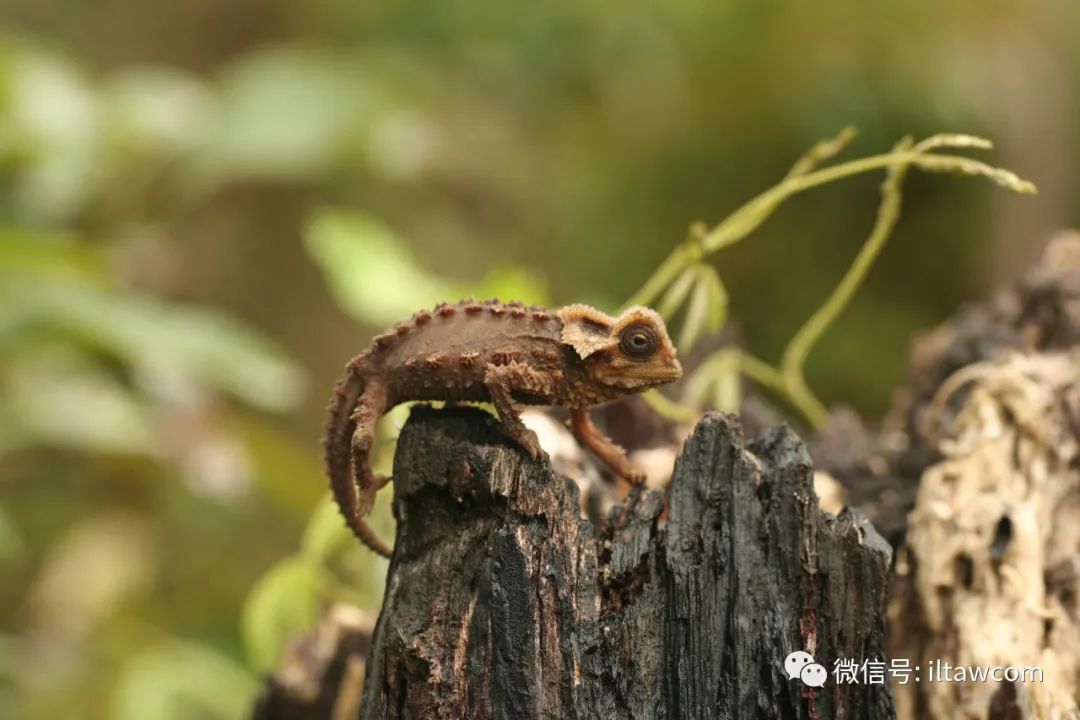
x=794 y=357
x=748 y=217
x=794 y=389
x=788 y=378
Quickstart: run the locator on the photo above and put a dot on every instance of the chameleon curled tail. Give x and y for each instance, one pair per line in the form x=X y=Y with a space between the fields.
x=356 y=405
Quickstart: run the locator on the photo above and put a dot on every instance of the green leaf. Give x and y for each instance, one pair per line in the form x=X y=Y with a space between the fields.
x=350 y=573
x=697 y=314
x=676 y=293
x=286 y=113
x=506 y=282
x=707 y=307
x=283 y=603
x=287 y=469
x=65 y=402
x=164 y=342
x=371 y=273
x=158 y=110
x=179 y=680
x=58 y=257
x=52 y=129
x=373 y=276
x=715 y=383
x=696 y=386
x=326 y=532
x=727 y=383
x=718 y=297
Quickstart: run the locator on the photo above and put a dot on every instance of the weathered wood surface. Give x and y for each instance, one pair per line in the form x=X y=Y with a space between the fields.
x=989 y=575
x=502 y=602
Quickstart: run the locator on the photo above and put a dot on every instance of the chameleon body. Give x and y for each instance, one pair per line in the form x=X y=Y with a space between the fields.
x=503 y=353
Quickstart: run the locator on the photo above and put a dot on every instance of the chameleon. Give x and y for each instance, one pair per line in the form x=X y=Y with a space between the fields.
x=507 y=354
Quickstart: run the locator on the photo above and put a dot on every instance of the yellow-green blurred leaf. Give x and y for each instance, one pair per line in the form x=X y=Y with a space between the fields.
x=286 y=112
x=507 y=283
x=326 y=532
x=71 y=404
x=676 y=293
x=283 y=603
x=52 y=129
x=163 y=340
x=371 y=273
x=53 y=256
x=718 y=298
x=287 y=469
x=158 y=110
x=375 y=278
x=182 y=680
x=697 y=315
x=726 y=383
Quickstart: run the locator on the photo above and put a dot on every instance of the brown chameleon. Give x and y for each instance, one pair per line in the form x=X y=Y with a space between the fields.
x=504 y=353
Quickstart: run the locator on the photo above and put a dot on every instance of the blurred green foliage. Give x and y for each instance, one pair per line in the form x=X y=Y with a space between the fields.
x=375 y=279
x=114 y=399
x=205 y=210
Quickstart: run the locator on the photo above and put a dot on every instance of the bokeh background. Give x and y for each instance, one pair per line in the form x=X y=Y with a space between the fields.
x=206 y=208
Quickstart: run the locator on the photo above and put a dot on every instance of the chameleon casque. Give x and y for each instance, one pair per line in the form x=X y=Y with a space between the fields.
x=504 y=353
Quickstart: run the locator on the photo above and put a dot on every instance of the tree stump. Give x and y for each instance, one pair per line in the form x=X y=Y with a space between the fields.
x=503 y=602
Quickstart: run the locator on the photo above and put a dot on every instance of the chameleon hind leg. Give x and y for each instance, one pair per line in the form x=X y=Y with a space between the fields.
x=614 y=456
x=370 y=406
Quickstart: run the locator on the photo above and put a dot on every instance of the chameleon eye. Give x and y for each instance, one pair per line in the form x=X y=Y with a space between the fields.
x=638 y=341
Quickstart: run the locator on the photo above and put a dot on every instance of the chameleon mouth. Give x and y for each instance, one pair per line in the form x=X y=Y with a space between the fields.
x=669 y=373
x=672 y=372
x=642 y=378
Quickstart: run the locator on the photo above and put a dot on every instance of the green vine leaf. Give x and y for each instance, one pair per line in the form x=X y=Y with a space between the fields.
x=676 y=294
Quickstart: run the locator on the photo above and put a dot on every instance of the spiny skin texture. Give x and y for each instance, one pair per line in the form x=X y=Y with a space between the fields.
x=504 y=353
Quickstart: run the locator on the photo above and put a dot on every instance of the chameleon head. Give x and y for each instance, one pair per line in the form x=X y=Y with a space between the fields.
x=627 y=354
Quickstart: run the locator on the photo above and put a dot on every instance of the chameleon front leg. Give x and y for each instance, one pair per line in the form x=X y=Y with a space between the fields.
x=501 y=381
x=614 y=456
